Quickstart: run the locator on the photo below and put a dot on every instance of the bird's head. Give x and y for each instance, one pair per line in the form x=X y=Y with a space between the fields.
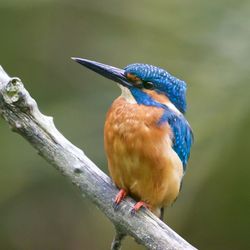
x=148 y=84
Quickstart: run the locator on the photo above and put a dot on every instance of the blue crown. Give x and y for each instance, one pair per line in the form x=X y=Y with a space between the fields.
x=172 y=87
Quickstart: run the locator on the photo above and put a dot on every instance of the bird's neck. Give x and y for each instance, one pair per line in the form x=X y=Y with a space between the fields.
x=163 y=99
x=147 y=98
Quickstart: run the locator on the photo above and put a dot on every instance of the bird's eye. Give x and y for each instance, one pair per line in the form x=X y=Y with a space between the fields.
x=148 y=85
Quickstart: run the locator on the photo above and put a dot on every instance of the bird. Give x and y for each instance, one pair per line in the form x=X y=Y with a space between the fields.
x=147 y=138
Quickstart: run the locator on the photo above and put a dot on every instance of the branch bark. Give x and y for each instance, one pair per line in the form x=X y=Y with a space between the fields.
x=20 y=110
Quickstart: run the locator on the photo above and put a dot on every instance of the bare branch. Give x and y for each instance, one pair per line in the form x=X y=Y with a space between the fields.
x=20 y=110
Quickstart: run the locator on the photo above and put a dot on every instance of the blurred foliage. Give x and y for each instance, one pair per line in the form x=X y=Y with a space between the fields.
x=204 y=42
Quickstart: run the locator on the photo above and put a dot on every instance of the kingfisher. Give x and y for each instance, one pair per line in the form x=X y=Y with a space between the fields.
x=147 y=138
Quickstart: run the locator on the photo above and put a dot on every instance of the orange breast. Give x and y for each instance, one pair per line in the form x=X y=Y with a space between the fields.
x=140 y=155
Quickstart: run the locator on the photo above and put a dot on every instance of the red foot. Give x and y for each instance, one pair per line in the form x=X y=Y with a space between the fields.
x=138 y=206
x=119 y=197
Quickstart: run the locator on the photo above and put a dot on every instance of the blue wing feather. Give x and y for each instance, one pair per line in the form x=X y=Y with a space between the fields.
x=182 y=134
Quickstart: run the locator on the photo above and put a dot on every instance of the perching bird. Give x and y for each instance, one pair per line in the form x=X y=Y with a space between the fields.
x=147 y=138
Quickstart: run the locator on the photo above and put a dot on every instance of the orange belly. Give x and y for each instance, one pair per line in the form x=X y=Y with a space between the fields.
x=140 y=155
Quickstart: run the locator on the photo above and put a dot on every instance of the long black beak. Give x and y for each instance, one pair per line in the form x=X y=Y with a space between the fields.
x=107 y=71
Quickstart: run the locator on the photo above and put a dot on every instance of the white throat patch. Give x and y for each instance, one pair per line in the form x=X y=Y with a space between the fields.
x=126 y=94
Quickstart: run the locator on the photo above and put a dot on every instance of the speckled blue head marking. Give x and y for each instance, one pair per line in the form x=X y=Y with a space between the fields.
x=172 y=87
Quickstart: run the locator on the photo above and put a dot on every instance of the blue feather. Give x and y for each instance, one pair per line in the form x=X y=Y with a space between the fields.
x=172 y=87
x=182 y=134
x=144 y=99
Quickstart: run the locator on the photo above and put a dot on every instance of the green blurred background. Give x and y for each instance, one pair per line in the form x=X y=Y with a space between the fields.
x=206 y=43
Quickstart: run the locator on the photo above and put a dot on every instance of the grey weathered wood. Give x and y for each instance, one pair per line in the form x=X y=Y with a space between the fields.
x=20 y=110
x=117 y=241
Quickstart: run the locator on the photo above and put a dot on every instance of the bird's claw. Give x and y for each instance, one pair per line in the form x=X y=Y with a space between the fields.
x=139 y=205
x=115 y=206
x=119 y=197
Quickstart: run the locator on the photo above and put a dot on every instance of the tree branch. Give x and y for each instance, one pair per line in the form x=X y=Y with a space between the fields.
x=117 y=241
x=20 y=110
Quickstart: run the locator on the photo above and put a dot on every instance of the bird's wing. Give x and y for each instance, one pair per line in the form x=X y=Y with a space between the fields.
x=182 y=134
